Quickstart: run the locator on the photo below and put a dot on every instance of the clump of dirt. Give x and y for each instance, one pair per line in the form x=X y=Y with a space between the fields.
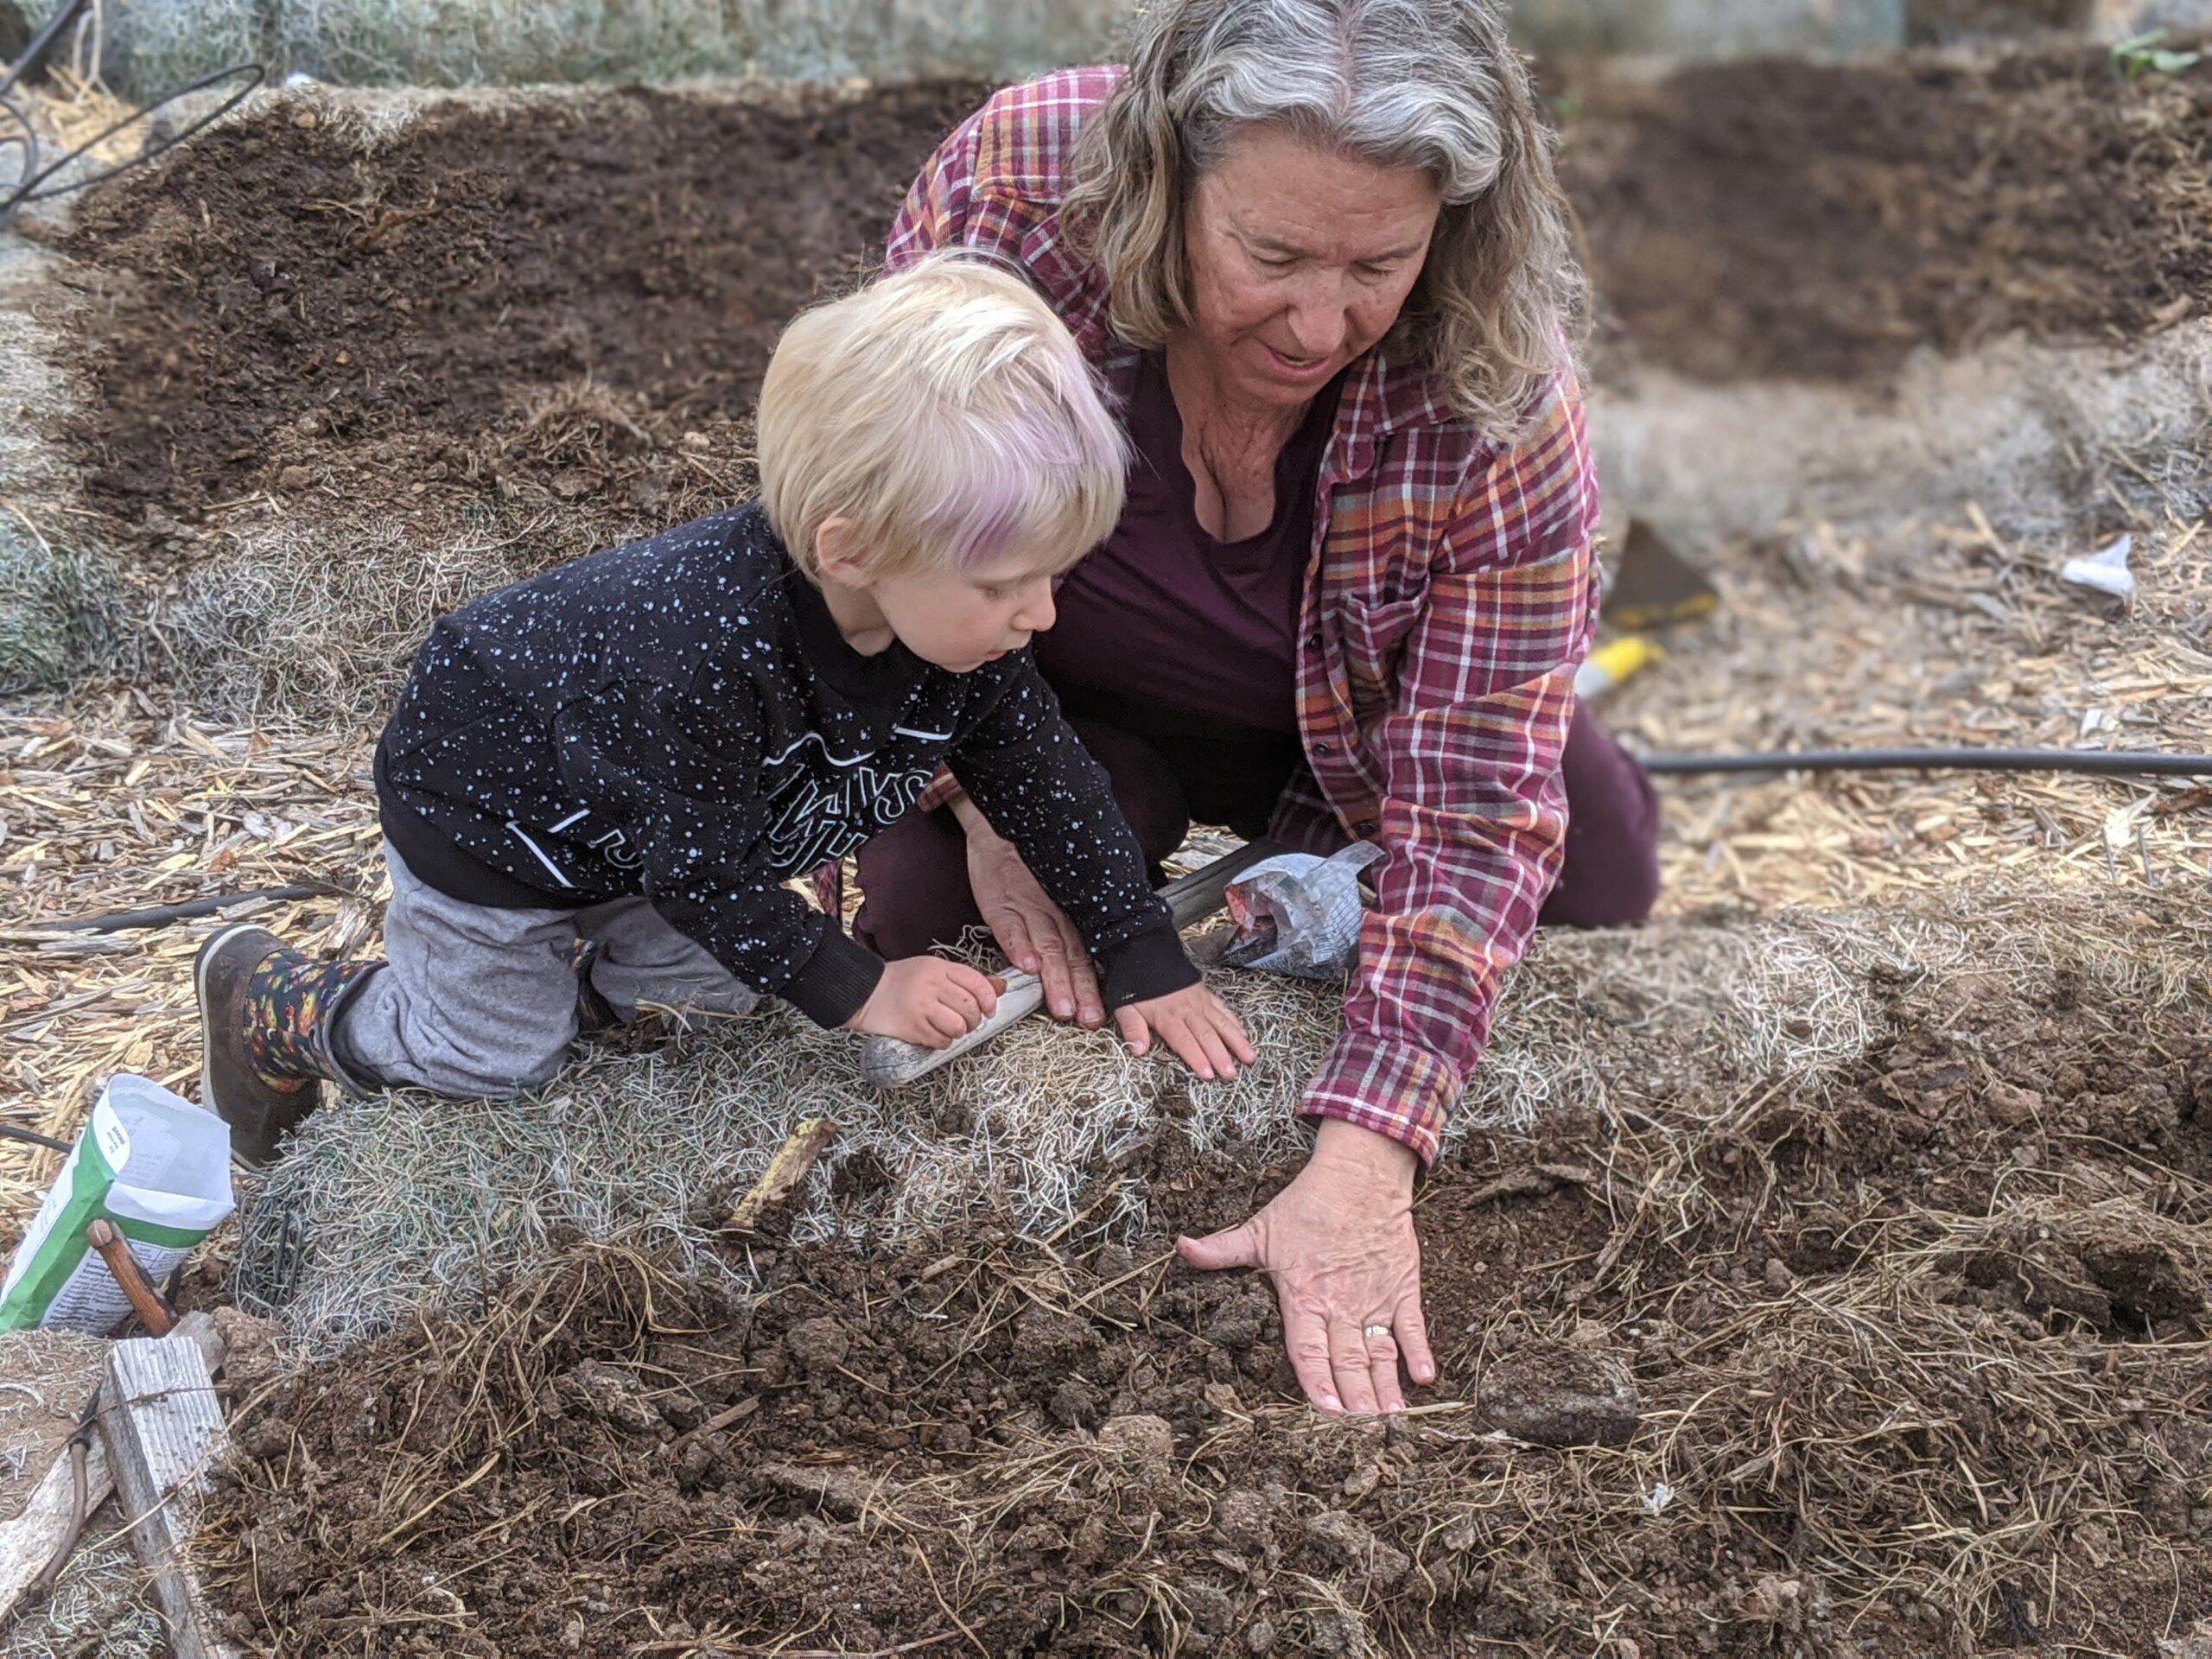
x=1785 y=217
x=506 y=288
x=1916 y=1366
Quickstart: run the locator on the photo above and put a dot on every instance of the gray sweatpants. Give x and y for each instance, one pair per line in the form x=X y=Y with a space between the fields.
x=481 y=1001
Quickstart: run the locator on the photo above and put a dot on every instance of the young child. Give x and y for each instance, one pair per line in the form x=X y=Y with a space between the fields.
x=639 y=749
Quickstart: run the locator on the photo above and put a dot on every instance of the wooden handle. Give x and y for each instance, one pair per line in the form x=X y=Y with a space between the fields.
x=146 y=1300
x=1194 y=897
x=887 y=1062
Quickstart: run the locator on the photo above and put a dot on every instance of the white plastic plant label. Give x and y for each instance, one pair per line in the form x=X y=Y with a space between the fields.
x=151 y=1163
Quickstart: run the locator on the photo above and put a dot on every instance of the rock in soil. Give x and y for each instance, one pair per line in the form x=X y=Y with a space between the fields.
x=1561 y=1394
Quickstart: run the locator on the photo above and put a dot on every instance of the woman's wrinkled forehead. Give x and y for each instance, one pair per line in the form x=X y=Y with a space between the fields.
x=1276 y=192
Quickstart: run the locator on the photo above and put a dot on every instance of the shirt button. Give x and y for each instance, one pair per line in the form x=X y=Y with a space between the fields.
x=1313 y=640
x=1366 y=827
x=1324 y=748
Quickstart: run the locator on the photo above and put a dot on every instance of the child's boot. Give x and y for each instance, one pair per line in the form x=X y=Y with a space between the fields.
x=267 y=1018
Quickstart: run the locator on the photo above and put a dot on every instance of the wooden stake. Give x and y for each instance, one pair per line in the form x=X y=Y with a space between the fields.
x=47 y=1524
x=161 y=1425
x=785 y=1171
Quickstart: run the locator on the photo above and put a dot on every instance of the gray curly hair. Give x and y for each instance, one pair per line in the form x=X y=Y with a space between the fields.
x=1500 y=305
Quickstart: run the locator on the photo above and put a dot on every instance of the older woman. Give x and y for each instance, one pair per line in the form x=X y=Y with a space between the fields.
x=1316 y=251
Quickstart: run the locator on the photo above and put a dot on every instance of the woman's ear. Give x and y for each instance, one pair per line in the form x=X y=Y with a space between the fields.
x=837 y=553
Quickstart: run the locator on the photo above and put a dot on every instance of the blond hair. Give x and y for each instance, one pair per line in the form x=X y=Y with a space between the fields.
x=1427 y=84
x=946 y=412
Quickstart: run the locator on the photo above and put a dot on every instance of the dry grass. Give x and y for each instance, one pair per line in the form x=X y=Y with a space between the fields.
x=304 y=615
x=650 y=1150
x=1944 y=634
x=101 y=1607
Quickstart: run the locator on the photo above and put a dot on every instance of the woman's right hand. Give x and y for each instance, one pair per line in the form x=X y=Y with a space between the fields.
x=1029 y=927
x=927 y=1001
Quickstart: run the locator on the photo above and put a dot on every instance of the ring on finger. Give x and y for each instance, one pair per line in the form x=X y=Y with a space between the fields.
x=1371 y=1332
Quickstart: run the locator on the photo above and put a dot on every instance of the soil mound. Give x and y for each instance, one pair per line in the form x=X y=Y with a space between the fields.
x=301 y=299
x=1910 y=1370
x=1784 y=218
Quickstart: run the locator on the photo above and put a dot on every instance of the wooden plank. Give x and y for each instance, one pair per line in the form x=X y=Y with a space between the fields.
x=163 y=1427
x=29 y=1539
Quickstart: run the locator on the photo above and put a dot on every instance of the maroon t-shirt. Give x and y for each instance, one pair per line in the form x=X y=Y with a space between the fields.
x=1169 y=634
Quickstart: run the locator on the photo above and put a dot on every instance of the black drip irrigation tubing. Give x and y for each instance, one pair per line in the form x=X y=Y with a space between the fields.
x=2119 y=763
x=17 y=1132
x=32 y=185
x=162 y=915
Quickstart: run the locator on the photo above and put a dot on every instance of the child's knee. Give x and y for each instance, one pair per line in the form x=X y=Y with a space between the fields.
x=471 y=1077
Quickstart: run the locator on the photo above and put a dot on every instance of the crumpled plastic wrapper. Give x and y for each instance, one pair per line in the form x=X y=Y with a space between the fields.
x=1298 y=914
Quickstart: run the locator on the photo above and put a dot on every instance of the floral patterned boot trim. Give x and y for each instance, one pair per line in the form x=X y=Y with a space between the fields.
x=291 y=1003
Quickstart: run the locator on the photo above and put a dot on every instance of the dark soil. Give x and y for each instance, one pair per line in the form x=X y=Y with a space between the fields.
x=544 y=297
x=288 y=308
x=1805 y=1321
x=1784 y=218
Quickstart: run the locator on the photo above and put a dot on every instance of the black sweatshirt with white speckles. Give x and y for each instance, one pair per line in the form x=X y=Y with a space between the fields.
x=681 y=718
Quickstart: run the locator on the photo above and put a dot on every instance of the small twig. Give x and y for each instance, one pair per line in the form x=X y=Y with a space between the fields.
x=791 y=1165
x=50 y=1574
x=737 y=1413
x=1531 y=1183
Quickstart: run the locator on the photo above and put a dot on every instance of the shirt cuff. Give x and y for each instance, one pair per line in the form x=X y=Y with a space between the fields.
x=1388 y=1085
x=836 y=982
x=1145 y=965
x=943 y=788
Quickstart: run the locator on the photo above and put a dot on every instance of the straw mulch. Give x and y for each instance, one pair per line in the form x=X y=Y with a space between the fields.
x=109 y=808
x=1942 y=635
x=115 y=803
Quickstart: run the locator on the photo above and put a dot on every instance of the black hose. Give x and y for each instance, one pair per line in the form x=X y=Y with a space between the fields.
x=29 y=190
x=34 y=175
x=36 y=52
x=16 y=1132
x=162 y=915
x=2125 y=763
x=29 y=139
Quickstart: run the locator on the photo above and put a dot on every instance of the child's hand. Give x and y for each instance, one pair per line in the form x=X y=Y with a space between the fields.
x=927 y=1000
x=1196 y=1024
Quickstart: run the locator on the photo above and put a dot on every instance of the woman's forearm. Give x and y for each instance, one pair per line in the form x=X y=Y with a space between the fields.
x=968 y=815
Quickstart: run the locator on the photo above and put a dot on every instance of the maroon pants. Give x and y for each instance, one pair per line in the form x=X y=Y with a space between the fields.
x=913 y=877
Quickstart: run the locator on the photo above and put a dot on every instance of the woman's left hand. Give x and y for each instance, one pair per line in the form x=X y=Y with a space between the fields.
x=1339 y=1243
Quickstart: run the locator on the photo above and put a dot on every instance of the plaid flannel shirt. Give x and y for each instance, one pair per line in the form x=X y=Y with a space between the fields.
x=1450 y=597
